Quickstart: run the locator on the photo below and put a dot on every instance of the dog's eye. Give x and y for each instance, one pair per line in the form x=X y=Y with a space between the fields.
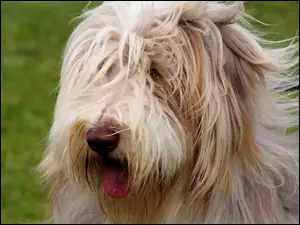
x=102 y=66
x=106 y=69
x=154 y=73
x=99 y=66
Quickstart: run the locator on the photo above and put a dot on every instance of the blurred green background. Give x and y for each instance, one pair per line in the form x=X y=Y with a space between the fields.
x=32 y=40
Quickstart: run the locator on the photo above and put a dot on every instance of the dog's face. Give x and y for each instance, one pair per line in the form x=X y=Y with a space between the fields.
x=146 y=99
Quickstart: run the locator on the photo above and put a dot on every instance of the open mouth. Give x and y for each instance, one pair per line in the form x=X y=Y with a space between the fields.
x=115 y=177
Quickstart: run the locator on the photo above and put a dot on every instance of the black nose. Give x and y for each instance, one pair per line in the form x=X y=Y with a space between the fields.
x=102 y=140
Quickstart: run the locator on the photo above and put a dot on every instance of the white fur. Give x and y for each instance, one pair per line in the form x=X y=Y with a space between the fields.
x=201 y=104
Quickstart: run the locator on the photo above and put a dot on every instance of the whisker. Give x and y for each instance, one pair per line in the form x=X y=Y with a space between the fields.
x=86 y=169
x=117 y=132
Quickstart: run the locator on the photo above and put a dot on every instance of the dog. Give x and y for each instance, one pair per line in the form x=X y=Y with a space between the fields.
x=174 y=112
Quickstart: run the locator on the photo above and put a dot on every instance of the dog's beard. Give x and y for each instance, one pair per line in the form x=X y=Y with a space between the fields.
x=145 y=190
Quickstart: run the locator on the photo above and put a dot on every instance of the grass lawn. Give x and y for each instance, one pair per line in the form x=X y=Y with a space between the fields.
x=33 y=37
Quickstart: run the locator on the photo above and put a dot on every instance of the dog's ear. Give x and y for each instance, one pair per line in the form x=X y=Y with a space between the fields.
x=230 y=81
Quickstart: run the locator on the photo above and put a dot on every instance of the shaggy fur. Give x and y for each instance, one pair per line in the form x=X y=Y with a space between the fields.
x=199 y=100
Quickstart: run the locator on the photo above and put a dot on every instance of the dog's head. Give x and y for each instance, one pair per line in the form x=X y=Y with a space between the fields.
x=157 y=100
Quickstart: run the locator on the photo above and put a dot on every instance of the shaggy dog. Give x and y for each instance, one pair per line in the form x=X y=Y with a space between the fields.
x=174 y=112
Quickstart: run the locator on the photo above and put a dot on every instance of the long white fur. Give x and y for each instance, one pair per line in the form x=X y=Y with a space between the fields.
x=106 y=77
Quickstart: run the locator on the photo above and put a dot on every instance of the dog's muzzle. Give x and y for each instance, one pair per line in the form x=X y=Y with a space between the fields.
x=114 y=174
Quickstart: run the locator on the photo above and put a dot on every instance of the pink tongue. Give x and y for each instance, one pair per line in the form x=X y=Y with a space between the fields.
x=115 y=182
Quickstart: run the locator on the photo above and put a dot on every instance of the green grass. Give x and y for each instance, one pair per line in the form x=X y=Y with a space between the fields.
x=33 y=37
